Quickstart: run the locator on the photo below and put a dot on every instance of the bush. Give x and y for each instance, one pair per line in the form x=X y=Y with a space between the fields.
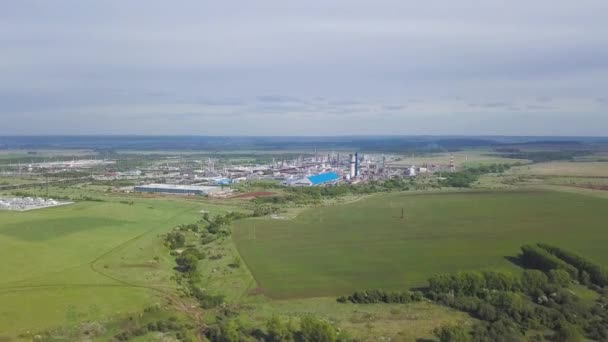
x=277 y=330
x=175 y=240
x=455 y=333
x=568 y=333
x=314 y=330
x=379 y=296
x=206 y=300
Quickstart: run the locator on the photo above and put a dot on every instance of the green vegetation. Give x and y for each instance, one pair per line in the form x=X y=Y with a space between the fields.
x=339 y=249
x=546 y=156
x=466 y=177
x=597 y=274
x=538 y=258
x=118 y=266
x=534 y=303
x=76 y=262
x=379 y=296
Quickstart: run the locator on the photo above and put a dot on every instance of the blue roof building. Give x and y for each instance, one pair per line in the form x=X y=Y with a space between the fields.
x=223 y=181
x=323 y=178
x=319 y=179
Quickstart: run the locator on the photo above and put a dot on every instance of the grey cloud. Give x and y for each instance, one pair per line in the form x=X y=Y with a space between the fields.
x=87 y=64
x=278 y=99
x=393 y=107
x=499 y=104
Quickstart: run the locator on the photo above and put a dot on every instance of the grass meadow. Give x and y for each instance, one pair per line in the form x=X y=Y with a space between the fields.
x=336 y=249
x=572 y=169
x=469 y=158
x=85 y=261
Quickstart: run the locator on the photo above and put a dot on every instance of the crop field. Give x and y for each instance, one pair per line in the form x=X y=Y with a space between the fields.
x=572 y=169
x=85 y=261
x=366 y=244
x=469 y=158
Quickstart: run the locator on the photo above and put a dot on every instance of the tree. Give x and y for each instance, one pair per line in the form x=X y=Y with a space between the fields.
x=188 y=263
x=314 y=330
x=176 y=240
x=560 y=278
x=534 y=281
x=455 y=333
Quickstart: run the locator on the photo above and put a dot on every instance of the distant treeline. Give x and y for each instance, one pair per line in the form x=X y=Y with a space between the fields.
x=546 y=156
x=399 y=144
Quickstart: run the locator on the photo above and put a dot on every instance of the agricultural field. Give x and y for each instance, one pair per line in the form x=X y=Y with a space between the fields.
x=572 y=169
x=334 y=250
x=86 y=261
x=253 y=308
x=469 y=158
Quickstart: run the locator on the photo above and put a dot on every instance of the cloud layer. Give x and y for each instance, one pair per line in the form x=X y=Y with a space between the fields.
x=304 y=68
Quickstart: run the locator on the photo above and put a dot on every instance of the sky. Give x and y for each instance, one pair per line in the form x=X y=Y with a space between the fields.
x=314 y=67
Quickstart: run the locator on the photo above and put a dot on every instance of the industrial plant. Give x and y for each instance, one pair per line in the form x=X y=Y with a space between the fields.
x=217 y=177
x=28 y=203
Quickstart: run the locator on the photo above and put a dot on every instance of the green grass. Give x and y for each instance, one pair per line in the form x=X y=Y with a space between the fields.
x=86 y=261
x=468 y=158
x=365 y=244
x=366 y=322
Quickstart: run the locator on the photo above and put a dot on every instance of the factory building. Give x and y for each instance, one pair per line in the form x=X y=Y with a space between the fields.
x=223 y=181
x=177 y=189
x=315 y=180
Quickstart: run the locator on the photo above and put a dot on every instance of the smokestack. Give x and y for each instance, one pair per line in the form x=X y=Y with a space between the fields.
x=352 y=166
x=356 y=163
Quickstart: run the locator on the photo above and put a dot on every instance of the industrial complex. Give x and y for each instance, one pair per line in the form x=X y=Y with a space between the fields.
x=216 y=177
x=28 y=203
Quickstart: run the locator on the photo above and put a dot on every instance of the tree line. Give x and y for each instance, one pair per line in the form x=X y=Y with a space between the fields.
x=468 y=176
x=510 y=307
x=538 y=299
x=309 y=329
x=546 y=257
x=380 y=296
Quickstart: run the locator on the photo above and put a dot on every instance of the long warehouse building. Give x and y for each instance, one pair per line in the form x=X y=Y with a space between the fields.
x=177 y=189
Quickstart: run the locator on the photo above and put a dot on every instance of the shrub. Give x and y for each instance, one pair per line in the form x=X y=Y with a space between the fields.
x=314 y=330
x=455 y=333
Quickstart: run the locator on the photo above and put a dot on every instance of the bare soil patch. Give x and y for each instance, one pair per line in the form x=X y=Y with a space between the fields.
x=250 y=195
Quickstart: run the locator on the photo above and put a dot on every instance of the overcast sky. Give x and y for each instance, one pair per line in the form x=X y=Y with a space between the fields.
x=314 y=67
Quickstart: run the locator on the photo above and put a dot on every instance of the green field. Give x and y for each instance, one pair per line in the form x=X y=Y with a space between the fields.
x=573 y=169
x=85 y=261
x=469 y=158
x=365 y=244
